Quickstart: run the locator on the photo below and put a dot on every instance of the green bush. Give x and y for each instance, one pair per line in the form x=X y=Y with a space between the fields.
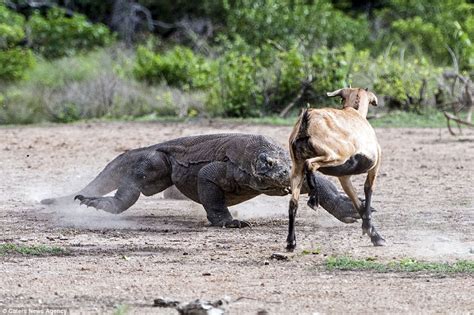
x=290 y=22
x=14 y=61
x=290 y=70
x=330 y=68
x=178 y=67
x=400 y=81
x=403 y=82
x=307 y=77
x=252 y=85
x=11 y=27
x=238 y=92
x=57 y=35
x=427 y=29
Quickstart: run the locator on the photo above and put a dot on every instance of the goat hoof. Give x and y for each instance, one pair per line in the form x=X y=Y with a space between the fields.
x=290 y=246
x=378 y=240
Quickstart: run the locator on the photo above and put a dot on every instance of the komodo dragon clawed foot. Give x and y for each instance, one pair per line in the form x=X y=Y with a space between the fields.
x=102 y=203
x=237 y=224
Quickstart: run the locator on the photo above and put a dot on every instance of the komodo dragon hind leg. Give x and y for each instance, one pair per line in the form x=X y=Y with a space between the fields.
x=212 y=197
x=124 y=198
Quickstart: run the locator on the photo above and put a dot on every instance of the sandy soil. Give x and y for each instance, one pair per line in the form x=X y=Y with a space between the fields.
x=164 y=248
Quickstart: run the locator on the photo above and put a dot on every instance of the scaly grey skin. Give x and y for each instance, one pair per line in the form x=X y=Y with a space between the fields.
x=216 y=171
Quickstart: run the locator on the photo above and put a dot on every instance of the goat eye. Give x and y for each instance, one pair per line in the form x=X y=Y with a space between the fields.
x=270 y=163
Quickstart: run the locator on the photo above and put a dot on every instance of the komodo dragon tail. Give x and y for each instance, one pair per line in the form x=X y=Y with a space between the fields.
x=107 y=181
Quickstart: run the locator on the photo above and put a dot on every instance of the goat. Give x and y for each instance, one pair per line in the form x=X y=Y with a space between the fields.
x=337 y=142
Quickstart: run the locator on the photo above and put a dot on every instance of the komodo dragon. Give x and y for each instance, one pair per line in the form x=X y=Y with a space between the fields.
x=216 y=171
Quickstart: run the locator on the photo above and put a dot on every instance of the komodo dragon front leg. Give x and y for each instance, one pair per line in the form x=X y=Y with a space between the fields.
x=212 y=180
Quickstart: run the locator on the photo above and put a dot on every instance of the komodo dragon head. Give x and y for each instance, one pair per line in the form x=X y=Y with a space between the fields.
x=270 y=165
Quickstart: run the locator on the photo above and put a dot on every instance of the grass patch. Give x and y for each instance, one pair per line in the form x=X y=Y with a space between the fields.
x=121 y=309
x=316 y=251
x=395 y=119
x=30 y=250
x=400 y=119
x=404 y=265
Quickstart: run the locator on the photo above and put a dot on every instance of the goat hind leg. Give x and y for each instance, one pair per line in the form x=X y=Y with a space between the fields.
x=310 y=168
x=296 y=183
x=366 y=213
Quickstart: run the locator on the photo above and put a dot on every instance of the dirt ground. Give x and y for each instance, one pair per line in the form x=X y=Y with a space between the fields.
x=165 y=248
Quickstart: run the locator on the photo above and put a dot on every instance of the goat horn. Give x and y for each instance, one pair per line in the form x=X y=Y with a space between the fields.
x=335 y=93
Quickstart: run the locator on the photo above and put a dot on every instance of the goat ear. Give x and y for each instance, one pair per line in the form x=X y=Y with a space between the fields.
x=373 y=100
x=335 y=93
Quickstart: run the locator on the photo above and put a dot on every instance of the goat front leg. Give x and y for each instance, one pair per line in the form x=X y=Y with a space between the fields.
x=296 y=181
x=366 y=213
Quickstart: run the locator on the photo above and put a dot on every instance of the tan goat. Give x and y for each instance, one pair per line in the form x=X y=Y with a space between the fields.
x=337 y=142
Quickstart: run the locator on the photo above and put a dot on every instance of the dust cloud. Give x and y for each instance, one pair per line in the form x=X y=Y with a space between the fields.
x=69 y=213
x=261 y=206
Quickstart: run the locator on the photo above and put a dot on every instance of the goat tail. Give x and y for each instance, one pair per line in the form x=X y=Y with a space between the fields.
x=304 y=123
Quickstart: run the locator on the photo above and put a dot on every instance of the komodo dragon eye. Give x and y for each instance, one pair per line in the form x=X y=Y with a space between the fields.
x=265 y=163
x=265 y=160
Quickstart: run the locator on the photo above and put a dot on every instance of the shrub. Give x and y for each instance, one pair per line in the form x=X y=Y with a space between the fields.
x=11 y=27
x=306 y=79
x=14 y=61
x=57 y=35
x=252 y=85
x=330 y=68
x=179 y=67
x=290 y=22
x=426 y=29
x=406 y=84
x=237 y=93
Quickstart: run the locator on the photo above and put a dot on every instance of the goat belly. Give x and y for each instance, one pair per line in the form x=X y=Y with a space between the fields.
x=356 y=164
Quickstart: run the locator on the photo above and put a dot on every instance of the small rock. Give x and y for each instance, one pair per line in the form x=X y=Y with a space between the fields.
x=163 y=302
x=202 y=307
x=279 y=256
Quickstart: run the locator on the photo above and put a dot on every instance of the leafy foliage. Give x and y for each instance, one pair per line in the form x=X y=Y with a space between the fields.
x=426 y=28
x=262 y=56
x=11 y=27
x=58 y=35
x=178 y=67
x=289 y=22
x=238 y=93
x=14 y=61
